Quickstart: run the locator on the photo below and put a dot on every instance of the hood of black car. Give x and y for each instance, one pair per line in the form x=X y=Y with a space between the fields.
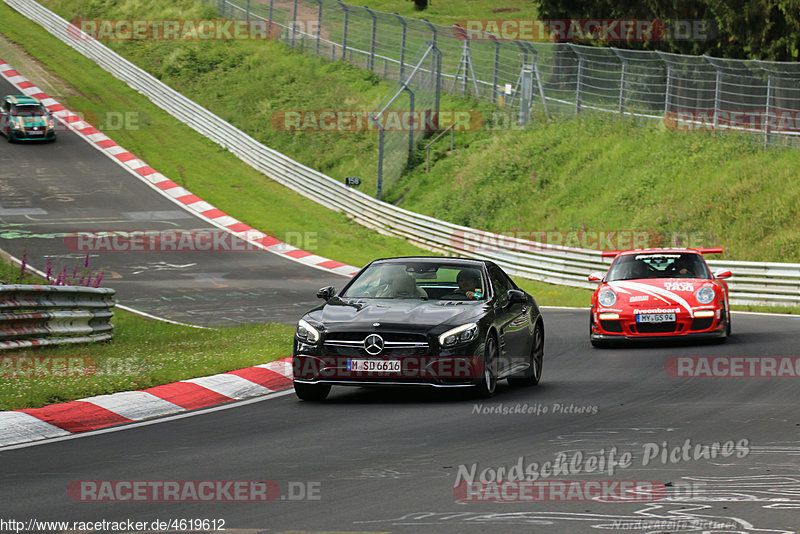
x=407 y=314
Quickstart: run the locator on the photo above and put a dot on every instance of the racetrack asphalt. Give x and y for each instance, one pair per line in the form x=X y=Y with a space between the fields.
x=50 y=190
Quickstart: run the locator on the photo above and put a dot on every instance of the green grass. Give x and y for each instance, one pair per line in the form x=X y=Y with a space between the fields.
x=143 y=354
x=449 y=12
x=600 y=173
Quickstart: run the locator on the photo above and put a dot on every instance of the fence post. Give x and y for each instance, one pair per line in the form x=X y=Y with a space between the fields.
x=413 y=126
x=623 y=75
x=248 y=10
x=371 y=59
x=344 y=32
x=526 y=91
x=269 y=18
x=319 y=24
x=717 y=90
x=380 y=160
x=538 y=75
x=668 y=89
x=496 y=67
x=433 y=44
x=770 y=91
x=579 y=85
x=402 y=46
x=436 y=72
x=294 y=21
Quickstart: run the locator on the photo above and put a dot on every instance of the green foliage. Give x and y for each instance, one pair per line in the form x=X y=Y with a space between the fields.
x=752 y=29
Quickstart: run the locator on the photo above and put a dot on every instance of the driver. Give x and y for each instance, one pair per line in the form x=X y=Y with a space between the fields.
x=468 y=285
x=682 y=267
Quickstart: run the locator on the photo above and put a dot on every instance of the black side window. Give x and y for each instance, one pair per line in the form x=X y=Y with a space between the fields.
x=501 y=284
x=7 y=105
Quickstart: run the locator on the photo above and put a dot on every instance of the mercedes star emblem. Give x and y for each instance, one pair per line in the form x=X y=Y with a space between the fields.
x=373 y=344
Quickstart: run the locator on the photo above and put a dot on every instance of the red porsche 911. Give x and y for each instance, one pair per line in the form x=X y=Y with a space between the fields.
x=659 y=293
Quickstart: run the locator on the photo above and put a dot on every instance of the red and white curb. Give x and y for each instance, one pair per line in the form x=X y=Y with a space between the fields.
x=94 y=413
x=167 y=187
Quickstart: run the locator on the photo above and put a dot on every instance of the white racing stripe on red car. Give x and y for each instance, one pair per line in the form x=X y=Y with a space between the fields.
x=668 y=297
x=167 y=187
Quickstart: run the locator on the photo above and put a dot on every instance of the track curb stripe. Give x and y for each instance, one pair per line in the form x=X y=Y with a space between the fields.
x=163 y=184
x=102 y=411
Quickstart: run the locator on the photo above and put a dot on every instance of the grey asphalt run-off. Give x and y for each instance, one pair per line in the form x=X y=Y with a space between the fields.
x=386 y=460
x=49 y=190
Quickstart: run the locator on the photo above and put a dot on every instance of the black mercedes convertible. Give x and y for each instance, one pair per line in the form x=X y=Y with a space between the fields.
x=420 y=321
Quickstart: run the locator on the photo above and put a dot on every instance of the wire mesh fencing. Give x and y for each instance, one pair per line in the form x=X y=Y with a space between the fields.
x=689 y=93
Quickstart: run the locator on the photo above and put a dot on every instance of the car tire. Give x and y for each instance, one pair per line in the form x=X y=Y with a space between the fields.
x=10 y=138
x=488 y=380
x=727 y=323
x=596 y=343
x=533 y=374
x=311 y=392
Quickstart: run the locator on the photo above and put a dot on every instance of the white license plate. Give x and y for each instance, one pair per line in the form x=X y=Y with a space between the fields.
x=386 y=366
x=35 y=133
x=656 y=318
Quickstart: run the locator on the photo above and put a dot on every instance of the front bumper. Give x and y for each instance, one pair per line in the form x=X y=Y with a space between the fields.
x=422 y=371
x=684 y=327
x=19 y=135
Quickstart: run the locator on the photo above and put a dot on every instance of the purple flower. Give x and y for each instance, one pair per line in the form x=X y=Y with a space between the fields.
x=98 y=279
x=583 y=225
x=86 y=260
x=669 y=220
x=49 y=269
x=24 y=264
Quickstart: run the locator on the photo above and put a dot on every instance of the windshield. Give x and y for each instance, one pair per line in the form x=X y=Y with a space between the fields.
x=28 y=110
x=419 y=280
x=659 y=265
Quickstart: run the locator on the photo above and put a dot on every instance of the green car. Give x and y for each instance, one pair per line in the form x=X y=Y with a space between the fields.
x=25 y=118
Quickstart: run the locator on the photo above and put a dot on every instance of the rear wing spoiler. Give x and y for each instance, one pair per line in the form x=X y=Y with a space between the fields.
x=702 y=250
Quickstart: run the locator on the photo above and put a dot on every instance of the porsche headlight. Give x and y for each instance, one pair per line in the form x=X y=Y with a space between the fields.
x=607 y=298
x=14 y=124
x=460 y=334
x=307 y=333
x=705 y=295
x=49 y=122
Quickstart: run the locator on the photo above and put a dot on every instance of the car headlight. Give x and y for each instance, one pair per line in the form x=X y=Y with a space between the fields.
x=607 y=298
x=307 y=333
x=705 y=295
x=15 y=124
x=49 y=123
x=460 y=334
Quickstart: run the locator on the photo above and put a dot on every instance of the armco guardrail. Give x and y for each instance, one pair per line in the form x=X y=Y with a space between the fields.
x=762 y=283
x=33 y=315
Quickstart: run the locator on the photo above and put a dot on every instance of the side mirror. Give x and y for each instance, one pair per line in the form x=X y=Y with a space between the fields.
x=516 y=296
x=326 y=293
x=723 y=273
x=596 y=277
